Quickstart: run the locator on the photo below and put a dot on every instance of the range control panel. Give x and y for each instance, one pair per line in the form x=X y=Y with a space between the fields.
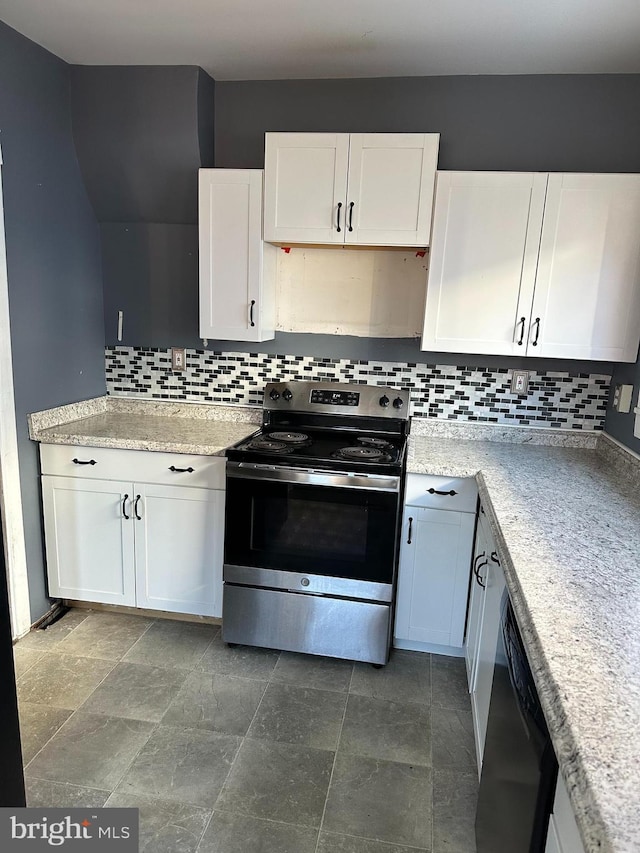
x=326 y=397
x=334 y=397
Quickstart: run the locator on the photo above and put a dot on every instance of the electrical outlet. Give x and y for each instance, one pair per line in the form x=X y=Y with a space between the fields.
x=622 y=398
x=177 y=358
x=520 y=382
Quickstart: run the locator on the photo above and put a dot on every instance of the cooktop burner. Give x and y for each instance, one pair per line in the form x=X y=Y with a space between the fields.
x=361 y=452
x=289 y=437
x=268 y=445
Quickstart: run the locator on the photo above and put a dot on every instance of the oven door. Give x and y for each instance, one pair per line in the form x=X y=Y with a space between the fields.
x=310 y=531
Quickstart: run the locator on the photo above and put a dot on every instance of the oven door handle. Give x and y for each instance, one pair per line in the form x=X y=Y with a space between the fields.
x=311 y=476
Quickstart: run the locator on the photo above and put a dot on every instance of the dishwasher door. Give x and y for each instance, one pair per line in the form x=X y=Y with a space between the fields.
x=519 y=768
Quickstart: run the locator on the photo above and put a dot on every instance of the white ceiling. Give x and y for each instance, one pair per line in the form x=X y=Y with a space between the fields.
x=282 y=39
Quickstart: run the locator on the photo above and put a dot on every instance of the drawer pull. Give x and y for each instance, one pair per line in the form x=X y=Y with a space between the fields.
x=410 y=529
x=135 y=508
x=181 y=470
x=451 y=492
x=124 y=507
x=81 y=462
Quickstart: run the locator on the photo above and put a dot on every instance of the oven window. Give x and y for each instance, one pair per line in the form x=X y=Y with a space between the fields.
x=309 y=528
x=346 y=533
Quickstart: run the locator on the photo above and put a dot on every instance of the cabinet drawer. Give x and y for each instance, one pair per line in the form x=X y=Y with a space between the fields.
x=142 y=466
x=423 y=490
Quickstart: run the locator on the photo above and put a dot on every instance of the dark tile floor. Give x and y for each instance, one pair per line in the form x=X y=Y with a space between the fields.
x=245 y=750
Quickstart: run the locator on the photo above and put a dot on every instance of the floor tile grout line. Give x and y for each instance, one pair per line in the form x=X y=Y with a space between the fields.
x=75 y=710
x=244 y=737
x=390 y=844
x=335 y=758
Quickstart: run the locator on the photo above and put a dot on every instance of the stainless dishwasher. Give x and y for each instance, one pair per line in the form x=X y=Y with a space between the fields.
x=519 y=767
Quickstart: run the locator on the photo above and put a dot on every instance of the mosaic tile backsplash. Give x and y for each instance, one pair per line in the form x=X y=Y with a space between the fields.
x=555 y=399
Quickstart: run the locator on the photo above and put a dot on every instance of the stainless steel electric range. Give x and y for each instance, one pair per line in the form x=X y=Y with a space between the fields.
x=312 y=521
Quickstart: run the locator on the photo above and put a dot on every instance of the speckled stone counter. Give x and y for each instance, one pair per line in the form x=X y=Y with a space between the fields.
x=133 y=425
x=567 y=524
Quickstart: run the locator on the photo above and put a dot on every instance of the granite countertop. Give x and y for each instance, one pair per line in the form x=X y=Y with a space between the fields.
x=133 y=425
x=567 y=525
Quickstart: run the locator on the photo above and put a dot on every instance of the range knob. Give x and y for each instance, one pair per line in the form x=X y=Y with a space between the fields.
x=398 y=403
x=287 y=395
x=384 y=401
x=275 y=395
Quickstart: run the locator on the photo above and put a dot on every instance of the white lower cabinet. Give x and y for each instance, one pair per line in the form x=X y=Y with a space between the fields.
x=116 y=541
x=90 y=543
x=487 y=587
x=563 y=835
x=435 y=554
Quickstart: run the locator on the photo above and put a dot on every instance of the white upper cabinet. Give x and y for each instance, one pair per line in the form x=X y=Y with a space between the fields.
x=390 y=188
x=237 y=269
x=486 y=232
x=535 y=264
x=587 y=292
x=371 y=189
x=305 y=187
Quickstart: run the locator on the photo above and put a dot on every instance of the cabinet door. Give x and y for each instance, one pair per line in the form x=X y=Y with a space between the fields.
x=179 y=548
x=476 y=600
x=564 y=835
x=305 y=182
x=433 y=576
x=493 y=579
x=237 y=272
x=390 y=189
x=484 y=247
x=587 y=296
x=553 y=842
x=89 y=539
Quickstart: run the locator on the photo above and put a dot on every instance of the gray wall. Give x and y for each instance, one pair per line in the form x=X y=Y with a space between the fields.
x=618 y=425
x=53 y=260
x=142 y=133
x=570 y=123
